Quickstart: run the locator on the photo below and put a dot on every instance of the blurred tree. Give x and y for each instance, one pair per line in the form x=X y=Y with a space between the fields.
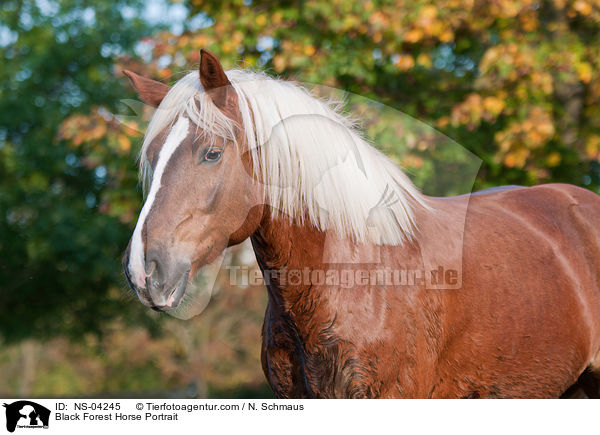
x=515 y=81
x=60 y=257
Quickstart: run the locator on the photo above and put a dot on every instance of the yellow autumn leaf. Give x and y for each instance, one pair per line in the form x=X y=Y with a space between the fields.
x=405 y=62
x=413 y=161
x=489 y=59
x=582 y=7
x=413 y=35
x=504 y=144
x=553 y=159
x=309 y=50
x=521 y=157
x=429 y=11
x=237 y=37
x=227 y=47
x=535 y=138
x=584 y=71
x=201 y=41
x=97 y=131
x=279 y=63
x=424 y=60
x=124 y=142
x=493 y=105
x=510 y=160
x=165 y=73
x=443 y=122
x=447 y=36
x=591 y=146
x=546 y=128
x=530 y=22
x=277 y=17
x=132 y=128
x=261 y=20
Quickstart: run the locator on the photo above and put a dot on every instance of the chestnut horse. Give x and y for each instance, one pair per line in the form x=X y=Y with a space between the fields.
x=494 y=294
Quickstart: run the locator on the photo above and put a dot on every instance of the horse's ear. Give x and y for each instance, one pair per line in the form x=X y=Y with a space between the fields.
x=215 y=81
x=150 y=91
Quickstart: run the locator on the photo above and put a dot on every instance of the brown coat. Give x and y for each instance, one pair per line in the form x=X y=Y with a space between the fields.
x=525 y=322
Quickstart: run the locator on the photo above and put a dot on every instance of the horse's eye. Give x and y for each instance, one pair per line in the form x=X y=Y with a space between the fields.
x=212 y=155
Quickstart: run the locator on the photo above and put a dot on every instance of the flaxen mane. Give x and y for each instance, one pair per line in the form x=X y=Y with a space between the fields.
x=313 y=162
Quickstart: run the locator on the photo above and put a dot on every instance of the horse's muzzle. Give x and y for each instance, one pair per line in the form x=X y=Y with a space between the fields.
x=165 y=282
x=165 y=296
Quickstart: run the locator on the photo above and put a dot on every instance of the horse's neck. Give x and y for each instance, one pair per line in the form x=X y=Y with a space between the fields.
x=305 y=321
x=282 y=246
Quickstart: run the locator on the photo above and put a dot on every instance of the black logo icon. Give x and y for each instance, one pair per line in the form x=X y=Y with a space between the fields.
x=26 y=414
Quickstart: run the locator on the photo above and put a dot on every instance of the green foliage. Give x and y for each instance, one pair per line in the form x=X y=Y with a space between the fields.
x=60 y=257
x=516 y=82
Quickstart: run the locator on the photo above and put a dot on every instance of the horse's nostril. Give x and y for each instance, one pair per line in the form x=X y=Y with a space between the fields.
x=150 y=268
x=154 y=274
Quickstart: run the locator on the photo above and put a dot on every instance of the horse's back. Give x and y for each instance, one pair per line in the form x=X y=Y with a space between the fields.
x=555 y=209
x=531 y=289
x=496 y=189
x=559 y=213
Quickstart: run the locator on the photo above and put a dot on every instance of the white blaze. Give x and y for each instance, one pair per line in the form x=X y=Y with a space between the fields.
x=136 y=257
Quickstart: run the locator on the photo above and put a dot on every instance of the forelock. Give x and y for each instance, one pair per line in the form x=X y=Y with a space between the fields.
x=186 y=98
